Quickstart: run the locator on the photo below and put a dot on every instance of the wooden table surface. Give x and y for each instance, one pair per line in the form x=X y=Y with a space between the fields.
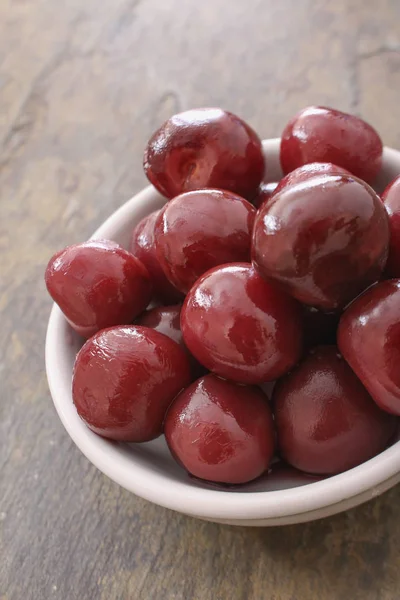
x=82 y=86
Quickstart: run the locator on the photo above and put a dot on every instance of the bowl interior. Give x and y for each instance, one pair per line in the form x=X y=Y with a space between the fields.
x=148 y=469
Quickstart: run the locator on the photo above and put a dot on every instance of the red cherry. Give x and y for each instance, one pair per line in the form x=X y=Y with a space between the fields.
x=369 y=339
x=221 y=431
x=310 y=170
x=324 y=240
x=240 y=326
x=326 y=420
x=204 y=148
x=124 y=380
x=265 y=191
x=167 y=320
x=200 y=230
x=319 y=134
x=391 y=199
x=144 y=248
x=98 y=284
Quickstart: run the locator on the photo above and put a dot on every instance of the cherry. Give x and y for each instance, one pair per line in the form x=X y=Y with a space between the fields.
x=319 y=134
x=124 y=380
x=324 y=240
x=369 y=339
x=200 y=230
x=265 y=191
x=221 y=431
x=204 y=148
x=166 y=320
x=310 y=170
x=144 y=248
x=98 y=284
x=240 y=326
x=326 y=420
x=391 y=199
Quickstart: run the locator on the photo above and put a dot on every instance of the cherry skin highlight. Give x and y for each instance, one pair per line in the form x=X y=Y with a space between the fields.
x=221 y=431
x=310 y=170
x=204 y=148
x=124 y=380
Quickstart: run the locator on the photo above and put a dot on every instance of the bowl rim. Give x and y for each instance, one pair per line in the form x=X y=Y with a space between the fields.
x=115 y=461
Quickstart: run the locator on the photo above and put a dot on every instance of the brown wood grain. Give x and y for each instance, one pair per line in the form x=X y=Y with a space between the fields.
x=82 y=86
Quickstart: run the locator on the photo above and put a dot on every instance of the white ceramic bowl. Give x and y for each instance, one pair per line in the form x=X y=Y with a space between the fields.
x=149 y=471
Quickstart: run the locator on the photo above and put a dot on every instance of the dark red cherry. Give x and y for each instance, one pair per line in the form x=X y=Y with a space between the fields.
x=310 y=170
x=326 y=420
x=369 y=339
x=200 y=230
x=265 y=191
x=319 y=327
x=124 y=380
x=143 y=247
x=166 y=320
x=221 y=431
x=324 y=240
x=204 y=148
x=319 y=134
x=391 y=199
x=98 y=284
x=240 y=326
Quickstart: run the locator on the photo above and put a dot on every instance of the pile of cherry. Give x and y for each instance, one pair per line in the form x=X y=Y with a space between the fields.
x=252 y=282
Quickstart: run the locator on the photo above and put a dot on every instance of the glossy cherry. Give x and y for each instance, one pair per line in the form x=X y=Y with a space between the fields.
x=324 y=240
x=204 y=148
x=265 y=191
x=221 y=431
x=167 y=320
x=124 y=380
x=310 y=170
x=240 y=326
x=200 y=230
x=326 y=421
x=369 y=339
x=391 y=199
x=320 y=134
x=98 y=284
x=144 y=248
